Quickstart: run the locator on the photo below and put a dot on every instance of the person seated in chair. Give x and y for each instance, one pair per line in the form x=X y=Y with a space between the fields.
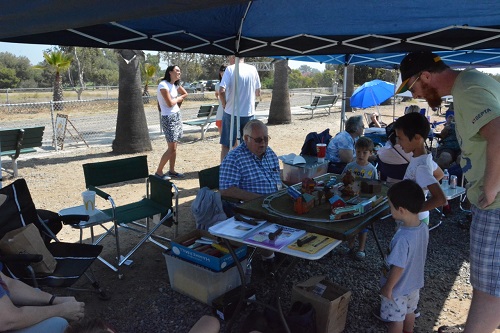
x=340 y=150
x=29 y=310
x=448 y=151
x=250 y=170
x=375 y=121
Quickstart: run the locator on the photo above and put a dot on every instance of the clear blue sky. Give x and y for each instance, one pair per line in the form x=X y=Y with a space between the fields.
x=34 y=52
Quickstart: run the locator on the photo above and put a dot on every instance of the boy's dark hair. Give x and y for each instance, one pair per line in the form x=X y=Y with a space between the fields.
x=407 y=194
x=364 y=142
x=412 y=124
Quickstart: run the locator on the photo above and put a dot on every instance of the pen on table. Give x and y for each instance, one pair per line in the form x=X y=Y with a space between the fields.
x=304 y=241
x=324 y=239
x=274 y=235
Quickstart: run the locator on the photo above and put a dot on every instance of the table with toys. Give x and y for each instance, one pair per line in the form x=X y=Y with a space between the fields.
x=328 y=205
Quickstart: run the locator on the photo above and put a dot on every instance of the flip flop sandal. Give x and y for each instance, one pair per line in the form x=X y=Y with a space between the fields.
x=176 y=174
x=164 y=177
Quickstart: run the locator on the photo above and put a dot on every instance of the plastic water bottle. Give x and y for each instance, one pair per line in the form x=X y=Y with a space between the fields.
x=445 y=183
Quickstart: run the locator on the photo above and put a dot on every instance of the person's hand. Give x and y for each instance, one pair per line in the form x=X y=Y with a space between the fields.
x=64 y=299
x=386 y=292
x=486 y=199
x=73 y=311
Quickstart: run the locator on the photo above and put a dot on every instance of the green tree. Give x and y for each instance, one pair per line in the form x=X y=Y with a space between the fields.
x=14 y=70
x=8 y=78
x=59 y=62
x=149 y=72
x=132 y=134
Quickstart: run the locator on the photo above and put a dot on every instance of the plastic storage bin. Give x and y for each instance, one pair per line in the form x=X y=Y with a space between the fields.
x=199 y=282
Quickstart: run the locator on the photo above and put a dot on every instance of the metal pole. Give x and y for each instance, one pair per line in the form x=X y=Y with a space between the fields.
x=344 y=98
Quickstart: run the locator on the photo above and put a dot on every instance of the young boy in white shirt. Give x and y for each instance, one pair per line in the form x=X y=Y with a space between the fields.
x=412 y=130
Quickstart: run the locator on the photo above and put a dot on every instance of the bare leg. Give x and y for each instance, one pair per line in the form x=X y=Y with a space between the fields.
x=206 y=324
x=172 y=146
x=362 y=241
x=395 y=327
x=409 y=322
x=164 y=159
x=483 y=313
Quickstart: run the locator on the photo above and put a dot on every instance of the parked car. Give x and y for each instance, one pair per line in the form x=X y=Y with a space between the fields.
x=190 y=87
x=210 y=86
x=201 y=85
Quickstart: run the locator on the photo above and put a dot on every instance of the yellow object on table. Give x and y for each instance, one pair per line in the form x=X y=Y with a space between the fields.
x=314 y=246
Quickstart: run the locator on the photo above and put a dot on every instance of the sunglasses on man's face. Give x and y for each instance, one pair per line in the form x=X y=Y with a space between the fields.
x=261 y=139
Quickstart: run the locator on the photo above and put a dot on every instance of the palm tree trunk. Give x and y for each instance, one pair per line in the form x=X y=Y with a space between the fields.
x=279 y=111
x=132 y=134
x=58 y=92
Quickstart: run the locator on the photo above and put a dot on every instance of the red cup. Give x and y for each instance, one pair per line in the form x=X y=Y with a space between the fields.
x=321 y=151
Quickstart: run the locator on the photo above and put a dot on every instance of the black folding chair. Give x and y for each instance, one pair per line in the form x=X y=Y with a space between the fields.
x=73 y=260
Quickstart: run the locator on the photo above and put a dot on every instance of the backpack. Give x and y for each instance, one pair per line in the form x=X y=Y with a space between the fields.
x=309 y=147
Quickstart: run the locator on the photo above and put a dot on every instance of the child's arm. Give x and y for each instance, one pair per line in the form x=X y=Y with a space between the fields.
x=392 y=278
x=437 y=198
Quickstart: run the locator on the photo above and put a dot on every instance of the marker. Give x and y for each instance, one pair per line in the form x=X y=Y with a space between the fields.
x=274 y=235
x=316 y=245
x=304 y=241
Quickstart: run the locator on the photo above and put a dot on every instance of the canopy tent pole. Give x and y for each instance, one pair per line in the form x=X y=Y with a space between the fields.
x=344 y=98
x=394 y=98
x=236 y=107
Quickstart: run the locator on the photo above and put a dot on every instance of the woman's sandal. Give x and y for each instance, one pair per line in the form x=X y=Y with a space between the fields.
x=175 y=174
x=164 y=177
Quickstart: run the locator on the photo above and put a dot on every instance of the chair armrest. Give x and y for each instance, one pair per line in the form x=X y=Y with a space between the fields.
x=99 y=192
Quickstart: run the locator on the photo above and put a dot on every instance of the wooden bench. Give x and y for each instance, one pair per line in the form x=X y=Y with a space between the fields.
x=322 y=102
x=16 y=141
x=206 y=116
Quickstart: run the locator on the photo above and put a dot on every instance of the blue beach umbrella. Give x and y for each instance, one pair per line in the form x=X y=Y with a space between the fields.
x=372 y=93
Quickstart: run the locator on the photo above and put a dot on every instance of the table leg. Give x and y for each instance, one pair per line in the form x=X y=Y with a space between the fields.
x=372 y=228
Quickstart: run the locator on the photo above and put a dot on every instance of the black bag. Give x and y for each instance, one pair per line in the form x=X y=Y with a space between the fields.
x=309 y=147
x=300 y=319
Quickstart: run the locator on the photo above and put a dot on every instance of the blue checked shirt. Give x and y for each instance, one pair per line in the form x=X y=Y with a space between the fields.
x=244 y=170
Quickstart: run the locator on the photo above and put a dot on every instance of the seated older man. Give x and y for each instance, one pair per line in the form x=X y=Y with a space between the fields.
x=250 y=170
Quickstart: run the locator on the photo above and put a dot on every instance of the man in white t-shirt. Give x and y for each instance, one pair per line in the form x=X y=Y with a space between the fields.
x=243 y=105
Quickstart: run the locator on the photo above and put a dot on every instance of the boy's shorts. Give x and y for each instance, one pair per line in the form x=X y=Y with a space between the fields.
x=485 y=250
x=397 y=309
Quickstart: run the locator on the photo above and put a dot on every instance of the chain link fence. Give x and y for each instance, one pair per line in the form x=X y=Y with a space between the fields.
x=93 y=121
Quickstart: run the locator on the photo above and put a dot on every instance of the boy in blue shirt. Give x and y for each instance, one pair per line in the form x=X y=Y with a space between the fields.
x=361 y=168
x=404 y=274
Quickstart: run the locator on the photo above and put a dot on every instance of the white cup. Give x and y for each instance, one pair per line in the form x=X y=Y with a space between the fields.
x=89 y=201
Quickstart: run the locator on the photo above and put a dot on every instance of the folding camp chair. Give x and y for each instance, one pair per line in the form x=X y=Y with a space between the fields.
x=157 y=202
x=73 y=260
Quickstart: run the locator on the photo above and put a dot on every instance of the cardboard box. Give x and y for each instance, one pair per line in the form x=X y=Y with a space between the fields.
x=215 y=263
x=330 y=301
x=200 y=282
x=293 y=174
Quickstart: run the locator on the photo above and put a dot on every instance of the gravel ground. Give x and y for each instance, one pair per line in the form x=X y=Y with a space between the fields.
x=144 y=302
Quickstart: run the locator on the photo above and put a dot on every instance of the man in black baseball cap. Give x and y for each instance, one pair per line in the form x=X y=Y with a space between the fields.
x=476 y=100
x=417 y=62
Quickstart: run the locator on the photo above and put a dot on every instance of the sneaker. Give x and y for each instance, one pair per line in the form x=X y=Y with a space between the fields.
x=176 y=174
x=360 y=255
x=164 y=177
x=450 y=329
x=417 y=313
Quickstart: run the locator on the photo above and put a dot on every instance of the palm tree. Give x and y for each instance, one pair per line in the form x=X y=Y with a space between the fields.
x=279 y=111
x=149 y=72
x=59 y=61
x=132 y=133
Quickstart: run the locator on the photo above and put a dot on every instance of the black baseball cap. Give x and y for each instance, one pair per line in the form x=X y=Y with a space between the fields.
x=416 y=62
